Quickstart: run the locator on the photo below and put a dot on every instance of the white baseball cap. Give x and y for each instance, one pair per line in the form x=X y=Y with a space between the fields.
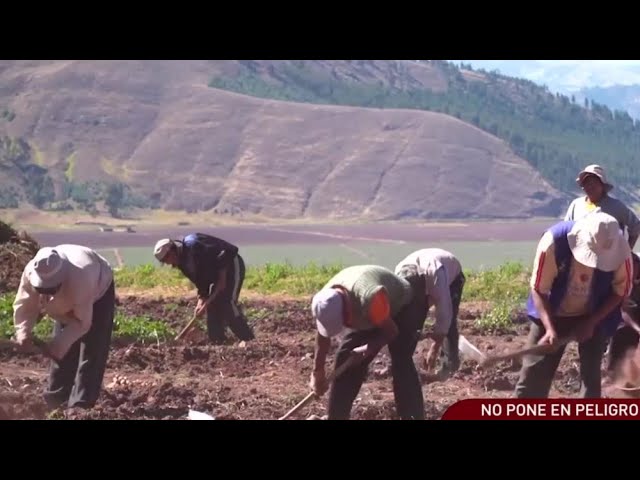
x=162 y=248
x=327 y=310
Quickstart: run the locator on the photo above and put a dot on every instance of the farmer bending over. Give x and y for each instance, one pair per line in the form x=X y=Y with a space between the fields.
x=375 y=308
x=74 y=286
x=444 y=281
x=217 y=270
x=581 y=274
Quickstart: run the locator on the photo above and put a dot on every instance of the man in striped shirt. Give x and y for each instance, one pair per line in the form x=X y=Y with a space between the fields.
x=582 y=272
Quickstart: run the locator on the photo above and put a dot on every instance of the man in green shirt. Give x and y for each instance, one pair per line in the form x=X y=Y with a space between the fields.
x=373 y=307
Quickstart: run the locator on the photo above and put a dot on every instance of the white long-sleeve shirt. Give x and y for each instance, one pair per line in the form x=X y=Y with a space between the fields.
x=87 y=279
x=440 y=268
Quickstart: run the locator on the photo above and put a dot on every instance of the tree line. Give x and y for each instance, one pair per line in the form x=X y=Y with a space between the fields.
x=38 y=186
x=554 y=133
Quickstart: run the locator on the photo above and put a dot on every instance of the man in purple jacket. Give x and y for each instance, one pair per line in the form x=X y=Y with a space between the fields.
x=582 y=273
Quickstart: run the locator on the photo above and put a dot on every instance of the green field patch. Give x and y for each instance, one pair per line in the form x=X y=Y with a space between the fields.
x=473 y=255
x=136 y=328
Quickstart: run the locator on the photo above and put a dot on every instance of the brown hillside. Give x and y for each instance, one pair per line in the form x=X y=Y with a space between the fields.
x=158 y=127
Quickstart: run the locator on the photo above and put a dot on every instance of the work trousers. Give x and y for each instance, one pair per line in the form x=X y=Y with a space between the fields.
x=224 y=310
x=449 y=355
x=407 y=388
x=77 y=378
x=538 y=371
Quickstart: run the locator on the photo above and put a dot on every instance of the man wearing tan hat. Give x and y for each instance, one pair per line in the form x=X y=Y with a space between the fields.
x=374 y=308
x=582 y=272
x=596 y=187
x=74 y=286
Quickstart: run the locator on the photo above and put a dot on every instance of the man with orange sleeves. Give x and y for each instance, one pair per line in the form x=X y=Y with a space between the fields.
x=374 y=307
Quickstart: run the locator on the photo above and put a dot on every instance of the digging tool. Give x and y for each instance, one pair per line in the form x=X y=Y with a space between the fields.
x=545 y=349
x=192 y=322
x=469 y=350
x=335 y=374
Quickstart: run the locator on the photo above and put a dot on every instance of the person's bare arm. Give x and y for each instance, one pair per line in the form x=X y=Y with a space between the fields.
x=322 y=349
x=542 y=278
x=318 y=381
x=600 y=314
x=543 y=307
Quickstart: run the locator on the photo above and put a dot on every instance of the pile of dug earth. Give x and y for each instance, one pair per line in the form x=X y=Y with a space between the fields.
x=16 y=249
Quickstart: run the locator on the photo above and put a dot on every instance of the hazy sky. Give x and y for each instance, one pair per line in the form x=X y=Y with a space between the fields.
x=567 y=75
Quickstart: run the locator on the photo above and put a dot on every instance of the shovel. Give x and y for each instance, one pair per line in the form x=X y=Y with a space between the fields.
x=545 y=349
x=469 y=350
x=335 y=374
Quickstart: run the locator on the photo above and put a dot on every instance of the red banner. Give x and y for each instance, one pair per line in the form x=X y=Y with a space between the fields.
x=543 y=409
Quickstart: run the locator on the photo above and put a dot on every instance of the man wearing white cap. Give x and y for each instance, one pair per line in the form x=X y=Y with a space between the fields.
x=217 y=270
x=373 y=307
x=74 y=285
x=444 y=282
x=596 y=187
x=582 y=272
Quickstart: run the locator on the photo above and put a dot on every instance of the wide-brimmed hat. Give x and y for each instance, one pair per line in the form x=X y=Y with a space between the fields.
x=599 y=172
x=47 y=269
x=327 y=310
x=597 y=241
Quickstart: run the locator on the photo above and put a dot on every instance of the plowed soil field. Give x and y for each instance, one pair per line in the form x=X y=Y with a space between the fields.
x=261 y=379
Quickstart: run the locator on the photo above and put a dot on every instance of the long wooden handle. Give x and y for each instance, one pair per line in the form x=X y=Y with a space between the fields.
x=535 y=350
x=187 y=327
x=335 y=374
x=192 y=322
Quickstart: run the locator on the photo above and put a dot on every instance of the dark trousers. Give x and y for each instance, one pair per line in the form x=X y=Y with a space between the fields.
x=624 y=339
x=224 y=310
x=77 y=379
x=538 y=371
x=407 y=388
x=450 y=354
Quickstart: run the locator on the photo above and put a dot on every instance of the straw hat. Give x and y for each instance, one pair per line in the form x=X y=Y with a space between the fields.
x=598 y=171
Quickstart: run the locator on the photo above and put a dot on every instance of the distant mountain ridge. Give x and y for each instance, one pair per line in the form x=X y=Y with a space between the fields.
x=284 y=139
